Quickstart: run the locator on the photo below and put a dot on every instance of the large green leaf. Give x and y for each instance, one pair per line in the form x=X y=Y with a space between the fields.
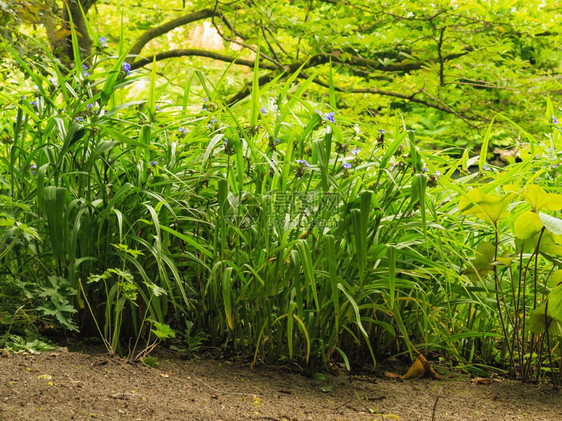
x=539 y=199
x=527 y=225
x=485 y=206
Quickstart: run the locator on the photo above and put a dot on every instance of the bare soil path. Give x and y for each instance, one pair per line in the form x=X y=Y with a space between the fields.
x=64 y=385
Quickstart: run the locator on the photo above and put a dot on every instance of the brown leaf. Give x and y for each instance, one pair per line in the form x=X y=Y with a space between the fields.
x=392 y=375
x=481 y=380
x=420 y=369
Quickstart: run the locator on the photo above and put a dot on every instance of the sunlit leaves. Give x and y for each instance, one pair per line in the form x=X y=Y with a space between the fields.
x=485 y=206
x=539 y=199
x=527 y=225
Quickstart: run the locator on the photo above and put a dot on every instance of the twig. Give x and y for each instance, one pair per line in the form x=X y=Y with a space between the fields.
x=343 y=404
x=435 y=404
x=222 y=392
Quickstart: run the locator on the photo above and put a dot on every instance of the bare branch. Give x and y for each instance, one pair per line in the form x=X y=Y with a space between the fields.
x=168 y=26
x=198 y=53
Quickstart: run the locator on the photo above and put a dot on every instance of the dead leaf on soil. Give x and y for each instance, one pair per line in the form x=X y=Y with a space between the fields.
x=392 y=375
x=481 y=380
x=420 y=369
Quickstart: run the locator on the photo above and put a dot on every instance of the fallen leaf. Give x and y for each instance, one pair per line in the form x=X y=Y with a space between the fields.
x=420 y=369
x=481 y=380
x=391 y=375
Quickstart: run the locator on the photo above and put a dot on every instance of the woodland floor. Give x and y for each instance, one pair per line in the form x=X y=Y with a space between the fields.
x=63 y=385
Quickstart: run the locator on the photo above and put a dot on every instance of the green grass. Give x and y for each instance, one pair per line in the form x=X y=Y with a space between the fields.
x=239 y=226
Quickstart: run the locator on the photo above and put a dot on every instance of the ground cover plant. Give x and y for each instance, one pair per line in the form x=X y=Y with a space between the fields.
x=276 y=227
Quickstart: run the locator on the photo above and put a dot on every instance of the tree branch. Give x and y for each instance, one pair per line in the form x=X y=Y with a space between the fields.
x=168 y=26
x=314 y=61
x=198 y=53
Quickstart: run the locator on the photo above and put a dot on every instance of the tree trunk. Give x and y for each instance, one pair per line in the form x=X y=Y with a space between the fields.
x=57 y=24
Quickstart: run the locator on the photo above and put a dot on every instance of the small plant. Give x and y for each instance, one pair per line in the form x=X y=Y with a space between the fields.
x=523 y=259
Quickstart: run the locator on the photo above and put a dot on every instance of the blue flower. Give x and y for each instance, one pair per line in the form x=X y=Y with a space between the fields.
x=183 y=130
x=346 y=165
x=225 y=141
x=213 y=120
x=103 y=41
x=90 y=106
x=79 y=119
x=330 y=117
x=126 y=68
x=158 y=109
x=437 y=173
x=205 y=99
x=84 y=72
x=554 y=120
x=486 y=168
x=33 y=166
x=356 y=151
x=263 y=110
x=154 y=163
x=381 y=131
x=277 y=141
x=303 y=162
x=34 y=102
x=53 y=81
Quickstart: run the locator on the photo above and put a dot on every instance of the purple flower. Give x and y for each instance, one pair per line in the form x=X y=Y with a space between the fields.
x=346 y=165
x=34 y=102
x=23 y=97
x=183 y=130
x=330 y=117
x=276 y=141
x=554 y=120
x=213 y=120
x=126 y=68
x=437 y=173
x=158 y=109
x=33 y=166
x=103 y=41
x=79 y=119
x=84 y=66
x=486 y=168
x=53 y=81
x=90 y=106
x=356 y=151
x=263 y=110
x=303 y=162
x=205 y=99
x=225 y=141
x=381 y=131
x=154 y=163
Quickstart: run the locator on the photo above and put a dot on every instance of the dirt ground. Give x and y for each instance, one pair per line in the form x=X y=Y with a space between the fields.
x=64 y=385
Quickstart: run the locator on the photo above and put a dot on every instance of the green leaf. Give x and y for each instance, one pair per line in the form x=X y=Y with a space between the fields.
x=556 y=279
x=555 y=303
x=527 y=225
x=163 y=331
x=538 y=321
x=539 y=199
x=482 y=263
x=548 y=245
x=485 y=206
x=553 y=224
